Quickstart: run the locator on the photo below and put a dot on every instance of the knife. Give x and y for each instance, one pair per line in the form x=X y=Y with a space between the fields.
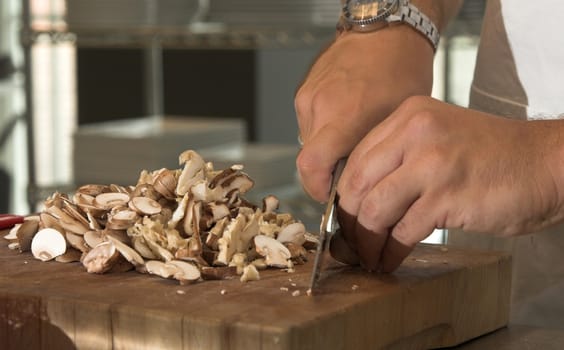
x=329 y=225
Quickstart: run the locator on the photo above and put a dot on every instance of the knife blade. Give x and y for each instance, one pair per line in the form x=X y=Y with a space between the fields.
x=329 y=226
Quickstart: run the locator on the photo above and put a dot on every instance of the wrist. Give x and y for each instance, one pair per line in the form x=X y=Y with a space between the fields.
x=369 y=16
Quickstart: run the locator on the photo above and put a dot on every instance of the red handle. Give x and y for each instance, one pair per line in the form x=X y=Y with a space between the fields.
x=9 y=220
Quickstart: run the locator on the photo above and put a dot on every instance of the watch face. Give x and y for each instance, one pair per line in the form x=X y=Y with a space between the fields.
x=369 y=10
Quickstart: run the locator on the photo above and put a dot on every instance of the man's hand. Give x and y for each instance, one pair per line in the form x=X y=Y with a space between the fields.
x=434 y=165
x=357 y=82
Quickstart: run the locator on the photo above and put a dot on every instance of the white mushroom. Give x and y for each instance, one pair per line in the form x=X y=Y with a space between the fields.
x=47 y=244
x=93 y=238
x=274 y=252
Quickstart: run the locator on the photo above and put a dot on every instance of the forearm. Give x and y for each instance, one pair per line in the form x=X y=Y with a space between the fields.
x=439 y=11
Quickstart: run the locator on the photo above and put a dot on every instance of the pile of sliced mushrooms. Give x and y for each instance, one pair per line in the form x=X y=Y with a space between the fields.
x=187 y=224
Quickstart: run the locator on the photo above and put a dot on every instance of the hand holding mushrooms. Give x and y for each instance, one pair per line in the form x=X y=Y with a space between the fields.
x=434 y=165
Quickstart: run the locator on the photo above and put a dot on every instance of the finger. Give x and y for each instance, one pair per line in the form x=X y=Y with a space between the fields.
x=380 y=210
x=341 y=251
x=317 y=159
x=348 y=224
x=416 y=225
x=365 y=168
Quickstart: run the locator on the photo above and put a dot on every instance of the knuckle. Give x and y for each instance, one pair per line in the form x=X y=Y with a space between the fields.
x=415 y=103
x=357 y=185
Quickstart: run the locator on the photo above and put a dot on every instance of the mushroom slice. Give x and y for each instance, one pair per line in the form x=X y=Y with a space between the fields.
x=259 y=263
x=71 y=255
x=228 y=242
x=145 y=205
x=193 y=171
x=159 y=268
x=250 y=273
x=165 y=183
x=47 y=244
x=25 y=234
x=142 y=248
x=55 y=200
x=216 y=233
x=12 y=234
x=275 y=253
x=78 y=242
x=294 y=233
x=49 y=221
x=241 y=182
x=159 y=251
x=297 y=252
x=71 y=210
x=92 y=221
x=239 y=260
x=67 y=222
x=109 y=200
x=250 y=230
x=93 y=238
x=122 y=220
x=218 y=210
x=93 y=189
x=101 y=258
x=127 y=252
x=118 y=189
x=270 y=204
x=146 y=190
x=311 y=241
x=120 y=235
x=179 y=212
x=187 y=272
x=121 y=265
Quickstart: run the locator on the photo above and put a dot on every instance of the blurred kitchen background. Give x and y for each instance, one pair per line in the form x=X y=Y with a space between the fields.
x=96 y=91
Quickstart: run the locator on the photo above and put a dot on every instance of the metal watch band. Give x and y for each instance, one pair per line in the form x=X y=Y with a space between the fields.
x=418 y=20
x=406 y=12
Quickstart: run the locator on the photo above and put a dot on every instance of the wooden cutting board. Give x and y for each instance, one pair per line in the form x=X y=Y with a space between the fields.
x=439 y=297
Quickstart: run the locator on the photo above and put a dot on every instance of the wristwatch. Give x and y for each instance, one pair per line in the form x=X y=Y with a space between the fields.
x=372 y=15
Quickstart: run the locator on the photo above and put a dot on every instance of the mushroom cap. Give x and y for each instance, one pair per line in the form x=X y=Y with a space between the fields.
x=47 y=244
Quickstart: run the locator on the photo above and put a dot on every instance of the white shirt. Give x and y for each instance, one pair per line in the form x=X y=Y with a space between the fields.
x=535 y=32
